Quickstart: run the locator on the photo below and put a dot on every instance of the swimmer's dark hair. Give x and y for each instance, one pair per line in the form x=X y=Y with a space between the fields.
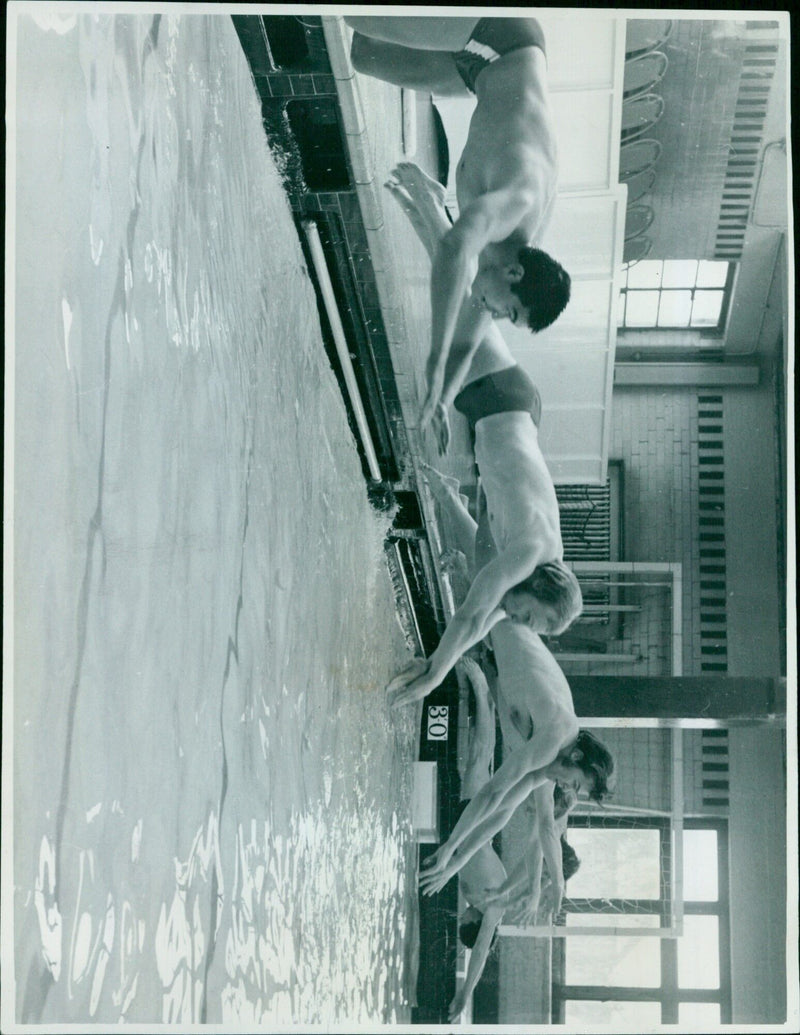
x=553 y=583
x=597 y=762
x=468 y=933
x=544 y=288
x=570 y=863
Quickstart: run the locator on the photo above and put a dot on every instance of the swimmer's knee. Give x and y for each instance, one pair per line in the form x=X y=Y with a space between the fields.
x=361 y=49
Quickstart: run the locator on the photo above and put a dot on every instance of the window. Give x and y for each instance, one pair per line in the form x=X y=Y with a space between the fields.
x=625 y=879
x=613 y=959
x=674 y=294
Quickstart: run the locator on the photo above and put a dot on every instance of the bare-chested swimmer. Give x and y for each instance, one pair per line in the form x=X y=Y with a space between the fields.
x=539 y=727
x=533 y=698
x=527 y=580
x=505 y=179
x=489 y=890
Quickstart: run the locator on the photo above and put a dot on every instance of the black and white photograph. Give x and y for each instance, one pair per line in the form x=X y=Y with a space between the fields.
x=399 y=624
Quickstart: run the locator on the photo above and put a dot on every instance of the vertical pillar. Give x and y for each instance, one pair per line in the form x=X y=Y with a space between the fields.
x=670 y=699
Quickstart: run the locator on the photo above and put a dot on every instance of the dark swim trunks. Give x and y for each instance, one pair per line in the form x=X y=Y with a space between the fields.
x=502 y=392
x=491 y=39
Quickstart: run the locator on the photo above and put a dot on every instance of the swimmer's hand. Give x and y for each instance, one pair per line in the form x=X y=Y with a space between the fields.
x=528 y=911
x=456 y=1008
x=438 y=858
x=412 y=684
x=472 y=670
x=434 y=878
x=554 y=895
x=433 y=399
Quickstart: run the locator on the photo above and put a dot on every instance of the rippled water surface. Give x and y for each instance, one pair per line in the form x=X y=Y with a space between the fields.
x=211 y=801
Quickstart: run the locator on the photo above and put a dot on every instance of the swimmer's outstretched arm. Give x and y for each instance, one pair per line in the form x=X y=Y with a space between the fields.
x=477 y=961
x=550 y=841
x=429 y=219
x=525 y=903
x=479 y=613
x=416 y=194
x=525 y=877
x=490 y=217
x=524 y=881
x=448 y=860
x=490 y=809
x=521 y=892
x=478 y=829
x=462 y=522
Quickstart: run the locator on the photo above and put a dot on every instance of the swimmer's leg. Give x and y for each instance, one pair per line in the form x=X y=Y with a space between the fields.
x=427 y=71
x=463 y=524
x=485 y=549
x=435 y=33
x=429 y=240
x=482 y=735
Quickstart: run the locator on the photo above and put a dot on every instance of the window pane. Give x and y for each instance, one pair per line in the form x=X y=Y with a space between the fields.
x=642 y=309
x=700 y=873
x=616 y=863
x=613 y=959
x=645 y=274
x=621 y=309
x=679 y=273
x=712 y=274
x=675 y=309
x=698 y=953
x=707 y=307
x=699 y=1013
x=588 y=1013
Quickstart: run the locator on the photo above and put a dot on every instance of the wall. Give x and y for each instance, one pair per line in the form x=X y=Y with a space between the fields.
x=754 y=320
x=699 y=90
x=758 y=875
x=655 y=434
x=753 y=585
x=756 y=756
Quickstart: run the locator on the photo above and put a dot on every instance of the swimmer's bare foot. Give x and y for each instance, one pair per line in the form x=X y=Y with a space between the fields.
x=453 y=562
x=420 y=225
x=472 y=670
x=419 y=185
x=439 y=482
x=426 y=195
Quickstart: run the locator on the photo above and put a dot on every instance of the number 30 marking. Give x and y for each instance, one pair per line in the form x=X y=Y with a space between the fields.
x=437 y=721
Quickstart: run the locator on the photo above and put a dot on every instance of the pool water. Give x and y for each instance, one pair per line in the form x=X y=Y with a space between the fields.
x=211 y=799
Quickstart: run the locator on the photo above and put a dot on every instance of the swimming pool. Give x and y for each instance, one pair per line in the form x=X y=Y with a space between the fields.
x=211 y=800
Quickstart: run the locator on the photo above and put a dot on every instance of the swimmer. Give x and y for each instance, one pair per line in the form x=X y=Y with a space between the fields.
x=489 y=890
x=538 y=721
x=506 y=176
x=527 y=580
x=534 y=700
x=584 y=766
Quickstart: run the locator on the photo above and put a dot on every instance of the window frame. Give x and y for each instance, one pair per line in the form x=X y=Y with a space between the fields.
x=704 y=332
x=668 y=994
